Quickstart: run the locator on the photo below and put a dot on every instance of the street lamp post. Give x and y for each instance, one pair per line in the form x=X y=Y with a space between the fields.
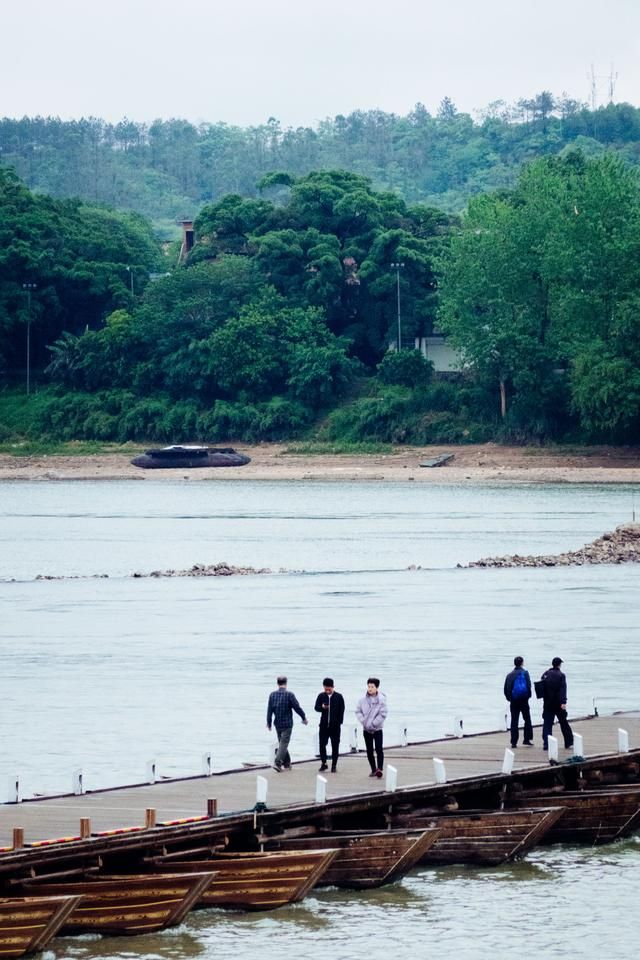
x=130 y=272
x=28 y=287
x=398 y=267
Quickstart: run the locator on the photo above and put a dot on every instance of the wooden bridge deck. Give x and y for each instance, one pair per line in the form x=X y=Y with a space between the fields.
x=235 y=791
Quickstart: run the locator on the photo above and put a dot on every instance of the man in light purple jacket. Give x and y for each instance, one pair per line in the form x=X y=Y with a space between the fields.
x=372 y=712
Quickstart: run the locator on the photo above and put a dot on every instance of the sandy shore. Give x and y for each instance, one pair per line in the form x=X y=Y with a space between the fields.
x=481 y=463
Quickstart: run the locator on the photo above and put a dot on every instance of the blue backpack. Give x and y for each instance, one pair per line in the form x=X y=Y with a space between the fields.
x=519 y=688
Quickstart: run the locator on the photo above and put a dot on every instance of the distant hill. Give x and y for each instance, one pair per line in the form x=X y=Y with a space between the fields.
x=167 y=170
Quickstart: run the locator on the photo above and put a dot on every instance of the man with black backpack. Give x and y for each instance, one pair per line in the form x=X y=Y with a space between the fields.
x=517 y=690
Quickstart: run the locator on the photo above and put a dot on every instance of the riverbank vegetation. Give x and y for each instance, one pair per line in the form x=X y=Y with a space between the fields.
x=277 y=325
x=540 y=290
x=64 y=266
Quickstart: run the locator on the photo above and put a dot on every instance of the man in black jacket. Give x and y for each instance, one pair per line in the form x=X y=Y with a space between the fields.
x=555 y=704
x=330 y=706
x=517 y=690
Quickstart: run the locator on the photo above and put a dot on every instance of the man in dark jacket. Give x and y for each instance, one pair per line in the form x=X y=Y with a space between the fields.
x=330 y=706
x=555 y=704
x=282 y=703
x=517 y=690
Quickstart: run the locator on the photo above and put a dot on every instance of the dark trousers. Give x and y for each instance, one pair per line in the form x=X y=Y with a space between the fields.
x=372 y=740
x=283 y=759
x=329 y=733
x=520 y=706
x=550 y=713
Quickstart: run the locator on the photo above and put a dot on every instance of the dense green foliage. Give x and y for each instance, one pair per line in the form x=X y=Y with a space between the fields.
x=278 y=323
x=120 y=415
x=440 y=413
x=279 y=307
x=167 y=170
x=329 y=242
x=69 y=262
x=540 y=290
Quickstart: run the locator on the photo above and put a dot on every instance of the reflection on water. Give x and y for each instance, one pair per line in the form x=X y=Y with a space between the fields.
x=107 y=674
x=178 y=942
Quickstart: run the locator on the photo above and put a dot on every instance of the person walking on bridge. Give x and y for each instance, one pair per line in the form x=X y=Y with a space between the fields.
x=330 y=706
x=517 y=690
x=372 y=712
x=555 y=704
x=282 y=703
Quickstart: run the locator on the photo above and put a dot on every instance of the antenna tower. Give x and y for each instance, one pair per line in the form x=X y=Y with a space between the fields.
x=594 y=89
x=598 y=80
x=612 y=83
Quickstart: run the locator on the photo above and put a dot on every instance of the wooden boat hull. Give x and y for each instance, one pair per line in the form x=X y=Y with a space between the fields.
x=364 y=860
x=28 y=924
x=590 y=816
x=484 y=837
x=127 y=905
x=257 y=881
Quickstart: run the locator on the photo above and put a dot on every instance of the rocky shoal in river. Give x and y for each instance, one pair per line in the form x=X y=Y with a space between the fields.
x=197 y=570
x=207 y=570
x=621 y=546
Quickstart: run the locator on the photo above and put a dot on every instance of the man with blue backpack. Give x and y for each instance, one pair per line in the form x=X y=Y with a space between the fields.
x=517 y=690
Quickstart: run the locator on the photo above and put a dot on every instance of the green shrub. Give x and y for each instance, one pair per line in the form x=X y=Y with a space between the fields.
x=406 y=368
x=231 y=421
x=20 y=414
x=446 y=427
x=403 y=416
x=439 y=412
x=382 y=418
x=146 y=420
x=276 y=419
x=101 y=426
x=281 y=418
x=443 y=395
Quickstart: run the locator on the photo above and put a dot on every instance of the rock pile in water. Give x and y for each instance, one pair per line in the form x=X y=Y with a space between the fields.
x=621 y=546
x=206 y=570
x=197 y=570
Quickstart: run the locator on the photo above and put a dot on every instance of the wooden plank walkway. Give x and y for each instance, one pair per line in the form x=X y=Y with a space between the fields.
x=467 y=757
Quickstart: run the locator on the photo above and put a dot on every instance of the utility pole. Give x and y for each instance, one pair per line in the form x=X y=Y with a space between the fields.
x=28 y=287
x=398 y=267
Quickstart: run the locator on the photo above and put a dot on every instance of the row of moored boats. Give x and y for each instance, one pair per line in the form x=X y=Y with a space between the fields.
x=158 y=890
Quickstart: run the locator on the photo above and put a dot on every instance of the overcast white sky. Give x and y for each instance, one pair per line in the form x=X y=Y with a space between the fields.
x=242 y=61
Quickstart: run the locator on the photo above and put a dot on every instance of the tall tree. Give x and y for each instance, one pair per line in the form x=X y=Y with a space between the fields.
x=544 y=279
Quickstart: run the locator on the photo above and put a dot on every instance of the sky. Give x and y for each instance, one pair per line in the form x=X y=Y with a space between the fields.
x=243 y=61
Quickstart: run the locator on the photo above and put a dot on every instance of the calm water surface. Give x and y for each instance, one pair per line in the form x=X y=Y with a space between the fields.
x=105 y=674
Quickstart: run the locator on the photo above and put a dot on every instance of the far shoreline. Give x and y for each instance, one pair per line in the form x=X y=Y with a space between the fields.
x=481 y=463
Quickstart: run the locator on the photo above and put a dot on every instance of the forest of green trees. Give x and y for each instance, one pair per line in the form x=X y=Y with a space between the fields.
x=278 y=323
x=168 y=169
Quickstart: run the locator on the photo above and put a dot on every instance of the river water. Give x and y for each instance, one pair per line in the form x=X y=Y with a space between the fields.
x=105 y=674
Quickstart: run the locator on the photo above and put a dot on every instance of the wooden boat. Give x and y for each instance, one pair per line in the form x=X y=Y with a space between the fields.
x=190 y=456
x=364 y=859
x=589 y=816
x=486 y=837
x=256 y=881
x=128 y=904
x=28 y=924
